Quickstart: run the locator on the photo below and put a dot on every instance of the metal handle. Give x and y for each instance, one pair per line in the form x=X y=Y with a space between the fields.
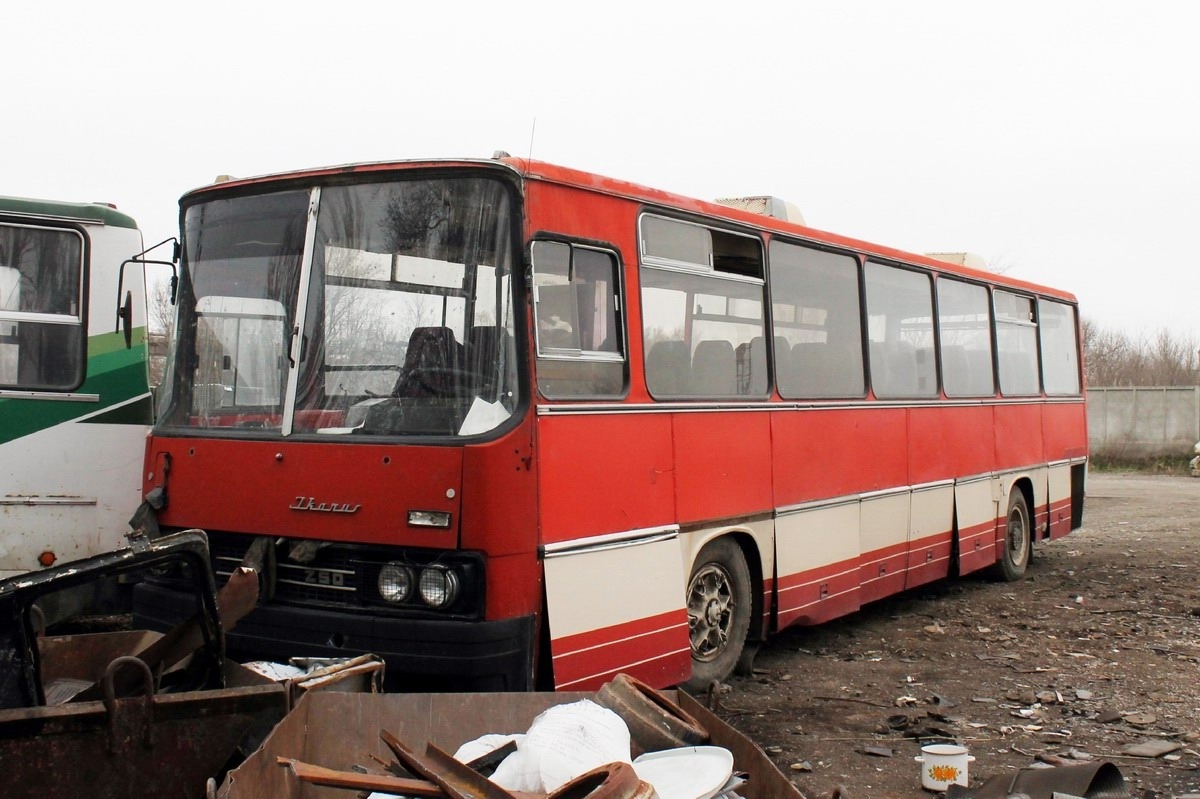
x=110 y=700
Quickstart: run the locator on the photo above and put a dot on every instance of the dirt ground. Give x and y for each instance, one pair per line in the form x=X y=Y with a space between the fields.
x=1096 y=650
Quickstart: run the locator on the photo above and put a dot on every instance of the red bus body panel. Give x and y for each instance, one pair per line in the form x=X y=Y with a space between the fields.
x=589 y=513
x=267 y=487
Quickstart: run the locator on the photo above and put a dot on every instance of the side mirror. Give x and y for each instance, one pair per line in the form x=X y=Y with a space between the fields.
x=125 y=319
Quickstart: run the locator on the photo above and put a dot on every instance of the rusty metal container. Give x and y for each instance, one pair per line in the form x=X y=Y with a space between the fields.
x=341 y=731
x=71 y=727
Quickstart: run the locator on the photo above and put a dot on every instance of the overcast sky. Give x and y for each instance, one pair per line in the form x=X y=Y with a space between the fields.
x=1056 y=139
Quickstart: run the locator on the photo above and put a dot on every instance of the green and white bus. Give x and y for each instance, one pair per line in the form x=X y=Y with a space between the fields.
x=74 y=401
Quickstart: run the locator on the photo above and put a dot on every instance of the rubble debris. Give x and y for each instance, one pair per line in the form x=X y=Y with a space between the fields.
x=876 y=751
x=1151 y=749
x=1140 y=719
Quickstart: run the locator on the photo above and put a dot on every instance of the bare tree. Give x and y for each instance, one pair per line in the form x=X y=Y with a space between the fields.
x=161 y=310
x=161 y=328
x=1115 y=358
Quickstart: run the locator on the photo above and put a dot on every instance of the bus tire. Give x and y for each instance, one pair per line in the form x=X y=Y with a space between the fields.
x=718 y=606
x=1018 y=529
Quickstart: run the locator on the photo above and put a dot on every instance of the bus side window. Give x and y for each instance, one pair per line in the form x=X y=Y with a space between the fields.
x=702 y=294
x=578 y=328
x=900 y=322
x=966 y=331
x=1016 y=343
x=40 y=276
x=818 y=335
x=1060 y=348
x=10 y=289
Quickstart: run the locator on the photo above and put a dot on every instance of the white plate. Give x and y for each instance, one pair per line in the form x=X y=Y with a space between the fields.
x=693 y=772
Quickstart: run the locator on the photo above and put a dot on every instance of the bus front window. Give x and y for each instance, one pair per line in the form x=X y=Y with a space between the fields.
x=240 y=276
x=406 y=326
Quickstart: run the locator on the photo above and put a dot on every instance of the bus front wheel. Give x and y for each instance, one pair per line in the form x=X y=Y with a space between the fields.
x=1017 y=531
x=718 y=608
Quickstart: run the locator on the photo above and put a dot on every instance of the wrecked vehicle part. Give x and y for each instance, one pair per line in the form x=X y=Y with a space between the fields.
x=144 y=746
x=178 y=728
x=20 y=656
x=236 y=598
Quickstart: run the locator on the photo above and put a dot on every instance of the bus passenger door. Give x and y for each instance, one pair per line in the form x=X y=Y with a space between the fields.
x=931 y=523
x=883 y=542
x=976 y=506
x=616 y=604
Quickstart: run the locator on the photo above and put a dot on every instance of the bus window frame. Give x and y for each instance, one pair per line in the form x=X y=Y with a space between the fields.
x=991 y=333
x=78 y=320
x=705 y=271
x=570 y=355
x=859 y=259
x=929 y=275
x=1079 y=376
x=1017 y=323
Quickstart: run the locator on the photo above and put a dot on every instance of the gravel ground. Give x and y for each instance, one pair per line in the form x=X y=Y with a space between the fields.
x=1095 y=651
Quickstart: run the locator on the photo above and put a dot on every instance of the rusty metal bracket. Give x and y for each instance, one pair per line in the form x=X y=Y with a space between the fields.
x=123 y=720
x=466 y=780
x=457 y=780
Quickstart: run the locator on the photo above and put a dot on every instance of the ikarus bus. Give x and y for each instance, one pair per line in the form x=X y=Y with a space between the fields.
x=509 y=425
x=74 y=401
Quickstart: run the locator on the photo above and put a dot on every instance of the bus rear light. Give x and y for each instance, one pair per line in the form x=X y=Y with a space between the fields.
x=439 y=586
x=395 y=582
x=428 y=518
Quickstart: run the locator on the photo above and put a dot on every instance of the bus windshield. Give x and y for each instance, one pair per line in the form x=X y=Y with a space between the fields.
x=388 y=314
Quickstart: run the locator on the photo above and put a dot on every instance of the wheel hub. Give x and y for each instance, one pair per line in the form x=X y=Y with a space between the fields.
x=712 y=613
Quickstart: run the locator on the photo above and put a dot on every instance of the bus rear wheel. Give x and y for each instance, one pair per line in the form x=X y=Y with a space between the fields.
x=1017 y=543
x=718 y=608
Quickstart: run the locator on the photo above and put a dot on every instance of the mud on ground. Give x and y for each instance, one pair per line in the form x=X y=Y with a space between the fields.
x=1096 y=650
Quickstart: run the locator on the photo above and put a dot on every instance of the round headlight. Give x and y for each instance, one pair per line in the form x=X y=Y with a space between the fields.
x=439 y=587
x=395 y=582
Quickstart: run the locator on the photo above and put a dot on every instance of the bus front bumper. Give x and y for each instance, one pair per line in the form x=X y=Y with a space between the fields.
x=421 y=654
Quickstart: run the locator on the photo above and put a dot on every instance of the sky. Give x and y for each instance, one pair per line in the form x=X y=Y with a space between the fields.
x=1058 y=140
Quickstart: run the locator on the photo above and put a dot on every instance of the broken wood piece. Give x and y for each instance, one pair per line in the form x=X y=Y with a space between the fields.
x=319 y=775
x=331 y=778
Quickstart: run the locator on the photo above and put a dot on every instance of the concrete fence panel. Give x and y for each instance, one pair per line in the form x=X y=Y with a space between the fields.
x=1143 y=421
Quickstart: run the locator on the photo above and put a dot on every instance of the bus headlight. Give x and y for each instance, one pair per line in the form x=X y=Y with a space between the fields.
x=439 y=586
x=396 y=582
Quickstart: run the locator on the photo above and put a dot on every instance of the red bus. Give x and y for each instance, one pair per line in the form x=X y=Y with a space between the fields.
x=512 y=425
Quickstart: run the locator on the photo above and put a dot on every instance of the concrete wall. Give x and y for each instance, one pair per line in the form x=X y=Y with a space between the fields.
x=1140 y=422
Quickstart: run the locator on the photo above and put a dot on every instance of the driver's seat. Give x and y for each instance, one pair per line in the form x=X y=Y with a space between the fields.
x=431 y=364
